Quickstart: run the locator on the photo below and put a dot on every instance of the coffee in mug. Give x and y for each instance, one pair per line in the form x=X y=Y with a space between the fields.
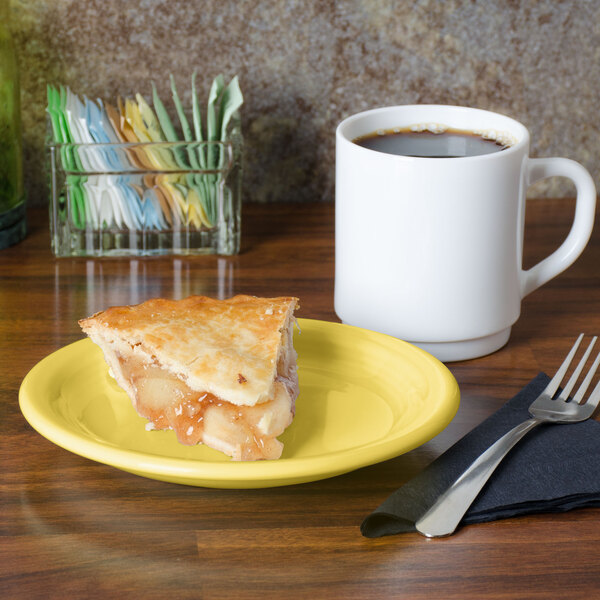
x=430 y=213
x=432 y=141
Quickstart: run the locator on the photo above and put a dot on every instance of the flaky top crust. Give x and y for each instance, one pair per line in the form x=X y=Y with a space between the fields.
x=229 y=348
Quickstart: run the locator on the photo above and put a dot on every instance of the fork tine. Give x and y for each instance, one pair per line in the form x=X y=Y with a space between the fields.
x=586 y=382
x=558 y=377
x=595 y=395
x=564 y=395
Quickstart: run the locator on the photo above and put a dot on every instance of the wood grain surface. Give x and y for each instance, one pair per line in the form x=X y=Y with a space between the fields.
x=73 y=528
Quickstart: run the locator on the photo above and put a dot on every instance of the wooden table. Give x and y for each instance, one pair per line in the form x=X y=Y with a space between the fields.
x=73 y=528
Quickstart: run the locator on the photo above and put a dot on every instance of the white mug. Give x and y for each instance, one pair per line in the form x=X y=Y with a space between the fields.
x=430 y=250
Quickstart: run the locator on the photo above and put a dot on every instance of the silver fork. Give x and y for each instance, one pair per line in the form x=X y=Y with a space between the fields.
x=445 y=515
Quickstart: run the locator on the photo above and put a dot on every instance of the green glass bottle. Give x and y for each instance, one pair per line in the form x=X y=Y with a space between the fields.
x=12 y=195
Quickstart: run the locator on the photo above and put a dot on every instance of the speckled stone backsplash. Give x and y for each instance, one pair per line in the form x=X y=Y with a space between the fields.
x=305 y=65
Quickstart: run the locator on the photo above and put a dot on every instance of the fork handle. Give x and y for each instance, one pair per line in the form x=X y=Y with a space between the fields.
x=445 y=515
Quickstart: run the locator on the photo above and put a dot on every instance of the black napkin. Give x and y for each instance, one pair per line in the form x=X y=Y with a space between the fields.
x=554 y=468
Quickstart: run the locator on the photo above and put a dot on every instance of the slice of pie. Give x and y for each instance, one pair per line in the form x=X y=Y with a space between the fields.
x=217 y=372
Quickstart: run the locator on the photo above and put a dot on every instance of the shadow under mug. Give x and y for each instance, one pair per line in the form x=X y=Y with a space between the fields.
x=430 y=250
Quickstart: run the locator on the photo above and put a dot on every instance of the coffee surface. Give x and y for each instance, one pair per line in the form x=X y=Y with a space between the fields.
x=450 y=143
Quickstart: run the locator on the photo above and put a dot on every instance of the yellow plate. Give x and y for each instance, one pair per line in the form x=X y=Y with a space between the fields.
x=364 y=398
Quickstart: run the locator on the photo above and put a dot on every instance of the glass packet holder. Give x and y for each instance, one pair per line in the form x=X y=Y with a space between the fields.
x=145 y=199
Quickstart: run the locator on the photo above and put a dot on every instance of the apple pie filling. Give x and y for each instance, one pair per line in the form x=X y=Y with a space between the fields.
x=243 y=432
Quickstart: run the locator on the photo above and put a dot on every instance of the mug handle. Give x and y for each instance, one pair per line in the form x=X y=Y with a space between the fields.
x=583 y=222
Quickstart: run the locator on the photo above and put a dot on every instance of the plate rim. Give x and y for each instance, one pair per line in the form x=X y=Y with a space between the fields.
x=257 y=474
